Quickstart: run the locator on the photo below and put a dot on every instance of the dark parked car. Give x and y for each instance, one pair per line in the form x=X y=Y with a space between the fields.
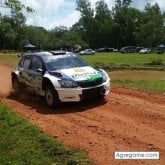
x=128 y=49
x=160 y=49
x=105 y=49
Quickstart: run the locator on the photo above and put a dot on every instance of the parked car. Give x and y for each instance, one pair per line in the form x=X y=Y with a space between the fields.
x=145 y=51
x=160 y=49
x=139 y=48
x=106 y=49
x=115 y=50
x=59 y=77
x=128 y=49
x=87 y=52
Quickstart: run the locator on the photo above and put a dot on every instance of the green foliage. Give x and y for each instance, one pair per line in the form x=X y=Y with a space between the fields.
x=102 y=12
x=125 y=26
x=24 y=143
x=17 y=6
x=84 y=7
x=9 y=25
x=7 y=35
x=98 y=27
x=87 y=22
x=37 y=36
x=70 y=39
x=127 y=19
x=151 y=29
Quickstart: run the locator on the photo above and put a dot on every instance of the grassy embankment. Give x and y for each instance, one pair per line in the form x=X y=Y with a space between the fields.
x=153 y=67
x=132 y=61
x=24 y=143
x=7 y=58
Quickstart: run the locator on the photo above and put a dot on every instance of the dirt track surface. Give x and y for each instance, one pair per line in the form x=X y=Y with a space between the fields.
x=128 y=120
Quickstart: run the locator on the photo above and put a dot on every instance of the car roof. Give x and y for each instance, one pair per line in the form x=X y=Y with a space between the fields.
x=37 y=53
x=58 y=52
x=47 y=53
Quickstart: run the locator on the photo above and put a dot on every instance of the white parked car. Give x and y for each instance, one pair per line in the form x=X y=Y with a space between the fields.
x=87 y=52
x=59 y=77
x=145 y=50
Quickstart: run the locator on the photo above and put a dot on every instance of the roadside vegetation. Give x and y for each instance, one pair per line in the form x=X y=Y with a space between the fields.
x=11 y=58
x=97 y=27
x=24 y=143
x=151 y=85
x=145 y=80
x=118 y=61
x=110 y=61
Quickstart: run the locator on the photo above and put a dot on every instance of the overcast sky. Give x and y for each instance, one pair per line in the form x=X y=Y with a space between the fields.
x=51 y=13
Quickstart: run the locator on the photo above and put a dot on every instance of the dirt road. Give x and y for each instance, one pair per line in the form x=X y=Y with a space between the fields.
x=128 y=120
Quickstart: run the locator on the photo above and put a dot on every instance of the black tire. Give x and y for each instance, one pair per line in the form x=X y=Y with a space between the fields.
x=51 y=96
x=16 y=86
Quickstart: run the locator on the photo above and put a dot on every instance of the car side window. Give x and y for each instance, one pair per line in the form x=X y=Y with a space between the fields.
x=25 y=63
x=36 y=63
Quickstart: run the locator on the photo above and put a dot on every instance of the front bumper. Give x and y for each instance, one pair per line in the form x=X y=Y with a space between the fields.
x=77 y=94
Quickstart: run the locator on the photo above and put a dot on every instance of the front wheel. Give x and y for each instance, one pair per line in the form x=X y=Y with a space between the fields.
x=51 y=97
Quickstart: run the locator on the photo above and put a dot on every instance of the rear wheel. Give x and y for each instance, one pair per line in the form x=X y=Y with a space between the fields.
x=51 y=97
x=16 y=86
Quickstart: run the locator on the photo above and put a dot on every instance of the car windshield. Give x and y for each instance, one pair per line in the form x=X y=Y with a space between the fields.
x=63 y=62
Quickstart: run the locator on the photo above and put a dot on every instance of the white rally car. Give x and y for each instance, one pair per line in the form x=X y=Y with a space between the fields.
x=59 y=77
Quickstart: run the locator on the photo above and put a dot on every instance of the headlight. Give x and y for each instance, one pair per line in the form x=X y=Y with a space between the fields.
x=68 y=83
x=104 y=76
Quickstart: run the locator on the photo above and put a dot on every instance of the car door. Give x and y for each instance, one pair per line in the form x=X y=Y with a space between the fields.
x=24 y=66
x=36 y=74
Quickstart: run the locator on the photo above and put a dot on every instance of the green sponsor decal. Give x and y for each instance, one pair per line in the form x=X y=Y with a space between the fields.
x=94 y=77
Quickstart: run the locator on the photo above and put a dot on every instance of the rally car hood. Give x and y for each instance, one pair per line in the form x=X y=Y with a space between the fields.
x=81 y=73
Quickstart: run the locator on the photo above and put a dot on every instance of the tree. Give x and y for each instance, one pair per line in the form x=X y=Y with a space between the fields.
x=151 y=29
x=10 y=24
x=126 y=3
x=102 y=12
x=104 y=23
x=17 y=17
x=35 y=35
x=84 y=7
x=70 y=39
x=127 y=18
x=7 y=36
x=87 y=22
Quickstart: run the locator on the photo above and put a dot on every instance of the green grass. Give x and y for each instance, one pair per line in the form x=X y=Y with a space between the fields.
x=25 y=144
x=145 y=80
x=118 y=61
x=152 y=85
x=137 y=75
x=11 y=59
